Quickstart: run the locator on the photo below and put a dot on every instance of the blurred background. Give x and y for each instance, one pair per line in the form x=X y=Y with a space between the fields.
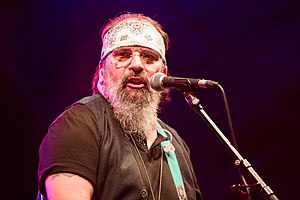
x=49 y=51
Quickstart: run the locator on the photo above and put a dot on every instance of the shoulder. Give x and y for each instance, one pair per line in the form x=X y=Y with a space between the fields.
x=84 y=110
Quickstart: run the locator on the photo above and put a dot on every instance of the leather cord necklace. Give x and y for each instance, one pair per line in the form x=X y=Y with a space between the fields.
x=146 y=172
x=169 y=152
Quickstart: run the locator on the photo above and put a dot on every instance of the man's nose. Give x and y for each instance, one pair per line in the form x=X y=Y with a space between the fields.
x=136 y=62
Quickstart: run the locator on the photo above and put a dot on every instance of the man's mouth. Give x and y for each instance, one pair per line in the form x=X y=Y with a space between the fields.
x=135 y=83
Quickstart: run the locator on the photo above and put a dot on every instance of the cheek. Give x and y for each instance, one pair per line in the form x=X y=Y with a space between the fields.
x=117 y=75
x=154 y=70
x=113 y=76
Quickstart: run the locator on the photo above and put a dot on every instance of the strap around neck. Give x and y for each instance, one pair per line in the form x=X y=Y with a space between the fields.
x=169 y=150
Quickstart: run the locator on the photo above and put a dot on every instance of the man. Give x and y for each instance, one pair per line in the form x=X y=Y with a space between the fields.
x=112 y=145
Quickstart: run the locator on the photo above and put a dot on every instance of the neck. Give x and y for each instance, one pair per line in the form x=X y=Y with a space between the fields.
x=151 y=137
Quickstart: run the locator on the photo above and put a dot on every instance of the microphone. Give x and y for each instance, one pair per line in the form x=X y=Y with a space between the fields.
x=159 y=81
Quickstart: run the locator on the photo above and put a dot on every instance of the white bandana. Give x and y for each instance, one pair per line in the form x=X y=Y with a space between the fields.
x=133 y=32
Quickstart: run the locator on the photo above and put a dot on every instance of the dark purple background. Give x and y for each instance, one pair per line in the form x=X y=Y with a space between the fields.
x=49 y=51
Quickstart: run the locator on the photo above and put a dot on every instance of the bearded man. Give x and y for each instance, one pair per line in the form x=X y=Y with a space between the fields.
x=111 y=145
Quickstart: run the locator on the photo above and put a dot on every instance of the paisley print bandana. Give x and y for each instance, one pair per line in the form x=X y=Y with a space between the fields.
x=133 y=32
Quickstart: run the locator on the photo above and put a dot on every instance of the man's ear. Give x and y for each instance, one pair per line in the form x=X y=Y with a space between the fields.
x=165 y=70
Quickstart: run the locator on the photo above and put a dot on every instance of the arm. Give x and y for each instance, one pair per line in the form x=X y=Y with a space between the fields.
x=67 y=186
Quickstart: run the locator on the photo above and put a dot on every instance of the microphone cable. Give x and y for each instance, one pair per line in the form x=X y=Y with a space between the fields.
x=244 y=194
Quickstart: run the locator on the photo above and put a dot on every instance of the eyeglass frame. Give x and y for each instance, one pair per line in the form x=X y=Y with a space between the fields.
x=129 y=60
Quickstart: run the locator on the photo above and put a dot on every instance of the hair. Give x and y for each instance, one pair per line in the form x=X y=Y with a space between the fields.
x=113 y=22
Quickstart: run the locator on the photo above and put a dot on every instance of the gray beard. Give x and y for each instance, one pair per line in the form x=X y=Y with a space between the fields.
x=136 y=111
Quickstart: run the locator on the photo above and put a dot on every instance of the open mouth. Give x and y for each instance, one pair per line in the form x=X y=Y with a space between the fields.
x=135 y=83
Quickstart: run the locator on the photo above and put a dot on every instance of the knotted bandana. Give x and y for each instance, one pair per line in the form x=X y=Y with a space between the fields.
x=133 y=32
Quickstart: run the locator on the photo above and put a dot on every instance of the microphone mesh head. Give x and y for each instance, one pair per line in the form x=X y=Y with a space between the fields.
x=156 y=81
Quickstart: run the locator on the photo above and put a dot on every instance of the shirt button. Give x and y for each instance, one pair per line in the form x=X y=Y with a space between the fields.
x=144 y=193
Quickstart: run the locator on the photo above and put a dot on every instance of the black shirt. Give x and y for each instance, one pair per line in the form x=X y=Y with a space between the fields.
x=152 y=160
x=87 y=140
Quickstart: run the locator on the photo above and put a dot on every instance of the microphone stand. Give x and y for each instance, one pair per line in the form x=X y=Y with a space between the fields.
x=249 y=173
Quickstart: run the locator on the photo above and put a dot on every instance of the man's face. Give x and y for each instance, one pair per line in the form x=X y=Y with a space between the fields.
x=131 y=68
